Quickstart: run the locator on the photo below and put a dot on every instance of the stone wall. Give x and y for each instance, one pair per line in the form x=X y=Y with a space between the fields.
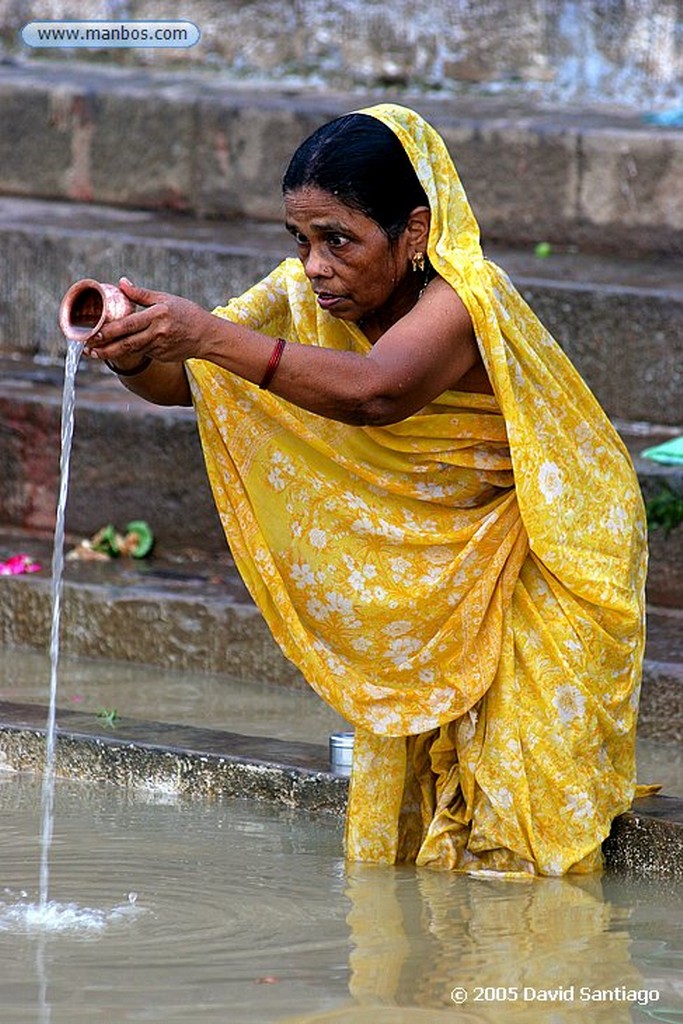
x=561 y=50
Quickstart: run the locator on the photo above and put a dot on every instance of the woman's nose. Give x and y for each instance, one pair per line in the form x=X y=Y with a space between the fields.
x=316 y=264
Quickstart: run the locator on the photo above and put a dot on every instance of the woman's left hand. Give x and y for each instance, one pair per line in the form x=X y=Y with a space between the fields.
x=168 y=329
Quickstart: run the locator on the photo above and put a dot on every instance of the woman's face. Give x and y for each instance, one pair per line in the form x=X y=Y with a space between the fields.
x=354 y=269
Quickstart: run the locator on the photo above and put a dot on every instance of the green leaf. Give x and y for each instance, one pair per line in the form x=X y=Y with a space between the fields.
x=142 y=538
x=108 y=716
x=664 y=510
x=106 y=540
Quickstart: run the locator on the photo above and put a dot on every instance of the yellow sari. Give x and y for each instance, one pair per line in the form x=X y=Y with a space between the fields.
x=465 y=586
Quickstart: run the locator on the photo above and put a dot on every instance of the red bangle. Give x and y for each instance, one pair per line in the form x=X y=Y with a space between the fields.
x=273 y=363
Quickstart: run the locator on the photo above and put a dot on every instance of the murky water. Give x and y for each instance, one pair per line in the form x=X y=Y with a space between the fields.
x=164 y=695
x=245 y=913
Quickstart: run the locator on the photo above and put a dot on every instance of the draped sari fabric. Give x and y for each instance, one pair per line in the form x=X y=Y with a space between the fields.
x=464 y=586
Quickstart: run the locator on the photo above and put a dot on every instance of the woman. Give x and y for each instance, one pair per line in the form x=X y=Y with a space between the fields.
x=438 y=522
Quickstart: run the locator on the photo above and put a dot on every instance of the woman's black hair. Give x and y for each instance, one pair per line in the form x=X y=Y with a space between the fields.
x=360 y=161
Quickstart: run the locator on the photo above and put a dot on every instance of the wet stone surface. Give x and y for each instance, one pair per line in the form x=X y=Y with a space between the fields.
x=648 y=841
x=182 y=760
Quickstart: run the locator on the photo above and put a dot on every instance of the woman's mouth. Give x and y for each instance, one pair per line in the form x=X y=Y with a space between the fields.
x=326 y=300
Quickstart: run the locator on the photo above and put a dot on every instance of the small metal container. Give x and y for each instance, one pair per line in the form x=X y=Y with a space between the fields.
x=341 y=752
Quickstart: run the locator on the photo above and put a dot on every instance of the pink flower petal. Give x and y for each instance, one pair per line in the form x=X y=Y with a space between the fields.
x=15 y=565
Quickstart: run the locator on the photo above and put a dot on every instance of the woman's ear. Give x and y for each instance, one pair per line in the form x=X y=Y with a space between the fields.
x=417 y=228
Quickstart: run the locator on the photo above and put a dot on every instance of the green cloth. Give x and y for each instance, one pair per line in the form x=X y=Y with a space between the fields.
x=670 y=452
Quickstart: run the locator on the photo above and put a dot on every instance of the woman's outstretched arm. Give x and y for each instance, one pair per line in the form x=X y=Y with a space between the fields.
x=426 y=352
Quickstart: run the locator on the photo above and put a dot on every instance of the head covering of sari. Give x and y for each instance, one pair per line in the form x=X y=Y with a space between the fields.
x=465 y=586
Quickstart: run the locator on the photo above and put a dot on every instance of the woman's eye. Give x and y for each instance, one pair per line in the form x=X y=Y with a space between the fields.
x=299 y=238
x=336 y=241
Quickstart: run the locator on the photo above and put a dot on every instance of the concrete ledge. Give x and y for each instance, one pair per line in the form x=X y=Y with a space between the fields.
x=648 y=840
x=180 y=760
x=201 y=144
x=59 y=242
x=195 y=616
x=661 y=706
x=134 y=460
x=173 y=759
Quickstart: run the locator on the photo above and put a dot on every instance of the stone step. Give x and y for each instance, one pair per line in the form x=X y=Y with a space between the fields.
x=190 y=611
x=560 y=51
x=618 y=319
x=133 y=460
x=600 y=179
x=130 y=459
x=187 y=609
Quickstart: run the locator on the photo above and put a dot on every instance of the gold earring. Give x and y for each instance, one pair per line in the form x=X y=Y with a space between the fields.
x=418 y=262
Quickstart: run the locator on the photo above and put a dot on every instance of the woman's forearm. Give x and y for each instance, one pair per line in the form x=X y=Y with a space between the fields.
x=419 y=357
x=333 y=384
x=340 y=385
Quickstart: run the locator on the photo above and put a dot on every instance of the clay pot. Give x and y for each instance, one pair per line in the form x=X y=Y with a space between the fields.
x=88 y=305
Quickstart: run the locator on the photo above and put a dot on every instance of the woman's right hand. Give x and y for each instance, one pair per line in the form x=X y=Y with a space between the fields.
x=156 y=333
x=168 y=329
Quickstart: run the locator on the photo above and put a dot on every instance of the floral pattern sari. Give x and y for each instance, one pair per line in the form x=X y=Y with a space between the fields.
x=465 y=586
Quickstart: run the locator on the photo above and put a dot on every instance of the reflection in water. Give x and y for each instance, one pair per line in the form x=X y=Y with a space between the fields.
x=44 y=1007
x=545 y=950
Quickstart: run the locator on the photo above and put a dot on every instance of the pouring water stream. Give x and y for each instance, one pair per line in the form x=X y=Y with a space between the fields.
x=86 y=306
x=73 y=354
x=48 y=916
